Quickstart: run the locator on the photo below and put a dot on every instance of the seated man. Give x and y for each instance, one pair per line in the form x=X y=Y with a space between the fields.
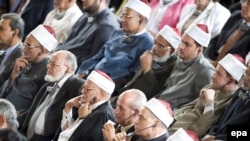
x=27 y=76
x=45 y=114
x=128 y=106
x=11 y=34
x=120 y=55
x=192 y=71
x=8 y=116
x=156 y=64
x=64 y=12
x=234 y=36
x=91 y=31
x=94 y=110
x=153 y=121
x=165 y=13
x=236 y=113
x=199 y=114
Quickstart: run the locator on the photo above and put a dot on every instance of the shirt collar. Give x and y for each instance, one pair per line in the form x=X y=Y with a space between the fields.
x=10 y=49
x=62 y=81
x=94 y=106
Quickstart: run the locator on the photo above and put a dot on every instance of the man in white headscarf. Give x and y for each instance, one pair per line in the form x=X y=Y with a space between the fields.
x=192 y=71
x=199 y=114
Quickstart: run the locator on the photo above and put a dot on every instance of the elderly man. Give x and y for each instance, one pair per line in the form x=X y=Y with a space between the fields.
x=234 y=36
x=156 y=64
x=237 y=113
x=94 y=110
x=122 y=52
x=192 y=71
x=27 y=76
x=152 y=123
x=11 y=34
x=45 y=114
x=199 y=114
x=128 y=106
x=66 y=11
x=8 y=116
x=91 y=31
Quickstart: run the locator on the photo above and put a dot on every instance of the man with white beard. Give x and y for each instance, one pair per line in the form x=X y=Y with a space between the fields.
x=44 y=118
x=156 y=63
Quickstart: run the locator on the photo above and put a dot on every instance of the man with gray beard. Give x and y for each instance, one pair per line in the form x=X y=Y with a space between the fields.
x=155 y=63
x=44 y=117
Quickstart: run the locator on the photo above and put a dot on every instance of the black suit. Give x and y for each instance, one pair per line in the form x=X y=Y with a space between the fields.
x=35 y=13
x=91 y=127
x=70 y=89
x=8 y=65
x=236 y=113
x=241 y=47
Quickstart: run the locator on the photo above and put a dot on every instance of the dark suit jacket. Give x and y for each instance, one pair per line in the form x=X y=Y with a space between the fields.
x=135 y=137
x=91 y=128
x=237 y=113
x=241 y=47
x=70 y=89
x=8 y=65
x=14 y=7
x=35 y=13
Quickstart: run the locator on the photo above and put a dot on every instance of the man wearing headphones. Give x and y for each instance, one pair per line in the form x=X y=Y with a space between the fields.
x=152 y=123
x=128 y=106
x=199 y=114
x=28 y=73
x=11 y=33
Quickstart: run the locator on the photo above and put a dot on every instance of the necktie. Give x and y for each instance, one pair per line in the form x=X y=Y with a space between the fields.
x=47 y=101
x=21 y=5
x=2 y=57
x=231 y=41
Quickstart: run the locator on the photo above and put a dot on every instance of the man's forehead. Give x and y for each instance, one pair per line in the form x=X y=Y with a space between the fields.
x=128 y=11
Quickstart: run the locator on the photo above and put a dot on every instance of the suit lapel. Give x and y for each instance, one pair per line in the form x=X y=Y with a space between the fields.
x=13 y=54
x=64 y=89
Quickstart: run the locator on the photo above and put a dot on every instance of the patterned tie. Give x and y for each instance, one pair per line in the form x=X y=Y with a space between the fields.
x=21 y=5
x=2 y=57
x=47 y=101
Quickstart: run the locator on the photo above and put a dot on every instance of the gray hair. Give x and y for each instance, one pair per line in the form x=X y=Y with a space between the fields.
x=8 y=110
x=140 y=99
x=71 y=60
x=16 y=22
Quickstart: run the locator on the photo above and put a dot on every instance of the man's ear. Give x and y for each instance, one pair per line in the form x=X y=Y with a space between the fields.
x=3 y=123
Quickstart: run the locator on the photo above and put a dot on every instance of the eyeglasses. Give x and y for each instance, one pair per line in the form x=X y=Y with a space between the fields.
x=245 y=1
x=86 y=89
x=126 y=16
x=161 y=46
x=54 y=64
x=29 y=46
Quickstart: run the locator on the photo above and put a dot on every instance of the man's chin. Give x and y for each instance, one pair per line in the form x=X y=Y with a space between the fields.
x=49 y=78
